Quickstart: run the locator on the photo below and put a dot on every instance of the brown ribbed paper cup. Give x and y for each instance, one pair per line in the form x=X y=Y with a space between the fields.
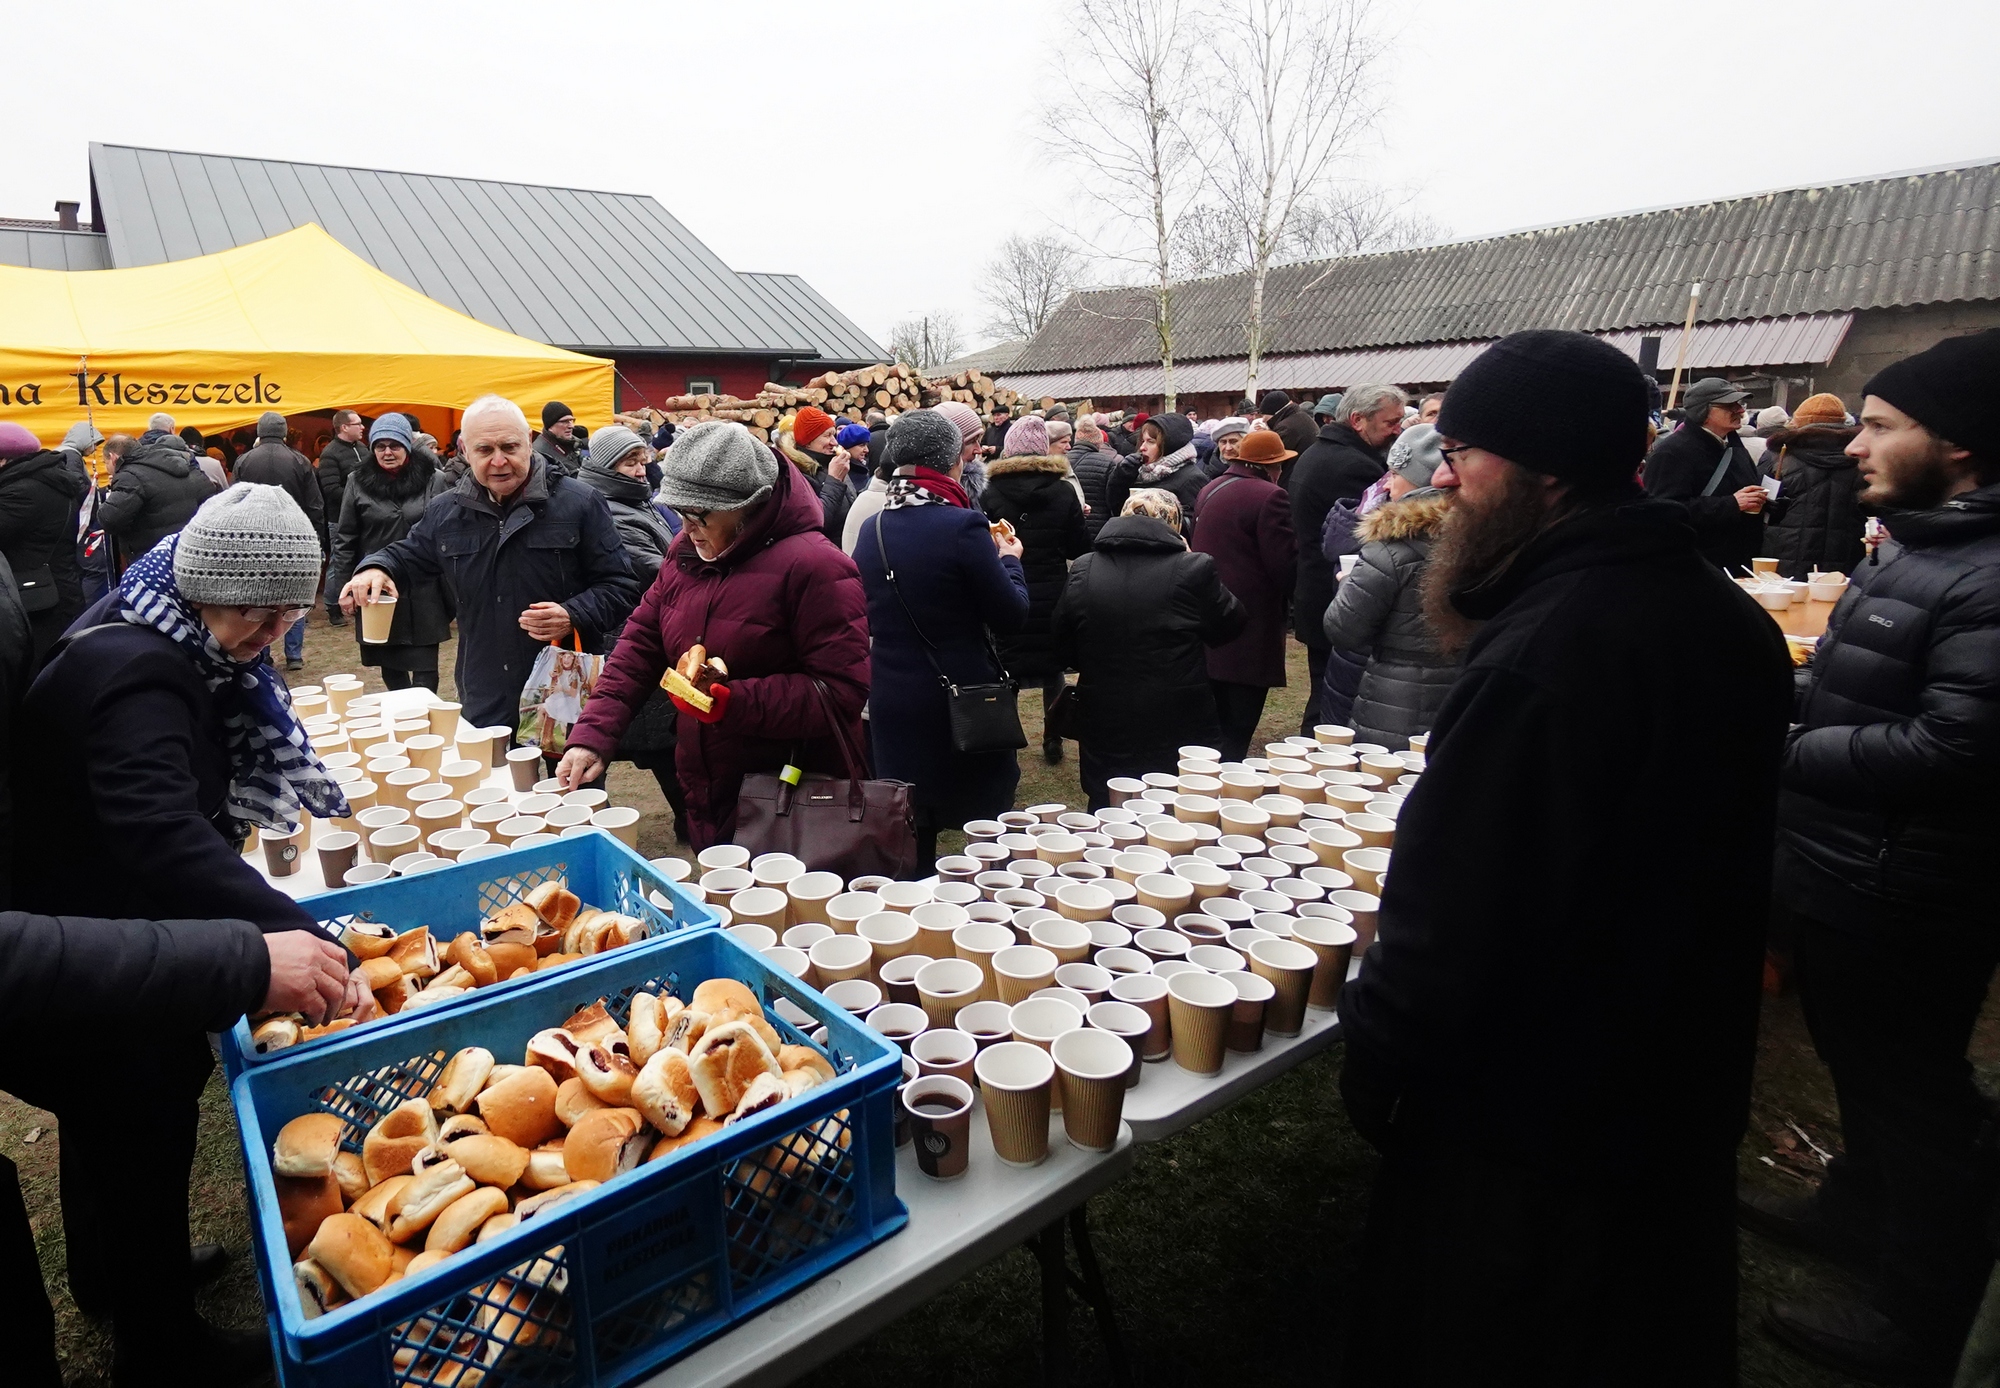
x=1246 y=1020
x=1091 y=1066
x=1288 y=966
x=1200 y=1004
x=1333 y=945
x=1148 y=993
x=1129 y=1024
x=1015 y=1080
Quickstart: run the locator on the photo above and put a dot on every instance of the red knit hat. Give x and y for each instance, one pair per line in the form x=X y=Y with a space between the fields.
x=809 y=424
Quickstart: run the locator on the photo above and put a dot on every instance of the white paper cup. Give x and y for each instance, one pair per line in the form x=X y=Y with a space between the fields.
x=754 y=935
x=946 y=986
x=987 y=1023
x=723 y=855
x=1020 y=970
x=841 y=956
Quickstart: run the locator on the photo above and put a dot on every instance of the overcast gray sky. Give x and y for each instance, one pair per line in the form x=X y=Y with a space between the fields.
x=883 y=153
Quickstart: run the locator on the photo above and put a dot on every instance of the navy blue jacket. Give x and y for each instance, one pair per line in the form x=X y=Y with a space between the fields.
x=955 y=583
x=554 y=541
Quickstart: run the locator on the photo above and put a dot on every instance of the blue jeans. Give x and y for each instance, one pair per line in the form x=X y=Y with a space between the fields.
x=295 y=641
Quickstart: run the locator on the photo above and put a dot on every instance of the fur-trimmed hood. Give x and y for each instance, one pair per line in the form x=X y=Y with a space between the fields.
x=1416 y=517
x=802 y=460
x=1027 y=462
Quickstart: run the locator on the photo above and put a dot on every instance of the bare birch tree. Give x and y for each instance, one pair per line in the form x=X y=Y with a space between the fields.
x=1121 y=124
x=1027 y=280
x=926 y=341
x=1293 y=95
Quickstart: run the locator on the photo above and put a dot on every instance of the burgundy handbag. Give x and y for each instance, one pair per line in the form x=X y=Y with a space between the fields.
x=854 y=826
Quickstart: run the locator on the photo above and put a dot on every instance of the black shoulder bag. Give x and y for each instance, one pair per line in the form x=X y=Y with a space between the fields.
x=984 y=717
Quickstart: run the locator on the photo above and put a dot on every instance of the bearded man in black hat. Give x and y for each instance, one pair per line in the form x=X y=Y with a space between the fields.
x=1551 y=1039
x=1705 y=467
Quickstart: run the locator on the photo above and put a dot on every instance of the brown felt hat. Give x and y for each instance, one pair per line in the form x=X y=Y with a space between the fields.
x=1263 y=447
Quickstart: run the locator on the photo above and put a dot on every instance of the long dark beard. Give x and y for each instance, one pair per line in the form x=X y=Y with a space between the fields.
x=1476 y=546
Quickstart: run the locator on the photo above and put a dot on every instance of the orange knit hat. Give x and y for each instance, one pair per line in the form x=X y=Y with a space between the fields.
x=1819 y=409
x=809 y=424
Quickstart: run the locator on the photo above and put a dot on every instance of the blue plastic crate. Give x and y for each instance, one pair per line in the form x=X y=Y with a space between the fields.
x=600 y=869
x=608 y=1286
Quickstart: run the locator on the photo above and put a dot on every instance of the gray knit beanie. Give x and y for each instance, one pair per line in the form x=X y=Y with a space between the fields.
x=249 y=547
x=926 y=438
x=716 y=466
x=611 y=443
x=270 y=425
x=1417 y=453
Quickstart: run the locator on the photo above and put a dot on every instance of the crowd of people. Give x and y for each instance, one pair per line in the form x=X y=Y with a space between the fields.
x=1630 y=794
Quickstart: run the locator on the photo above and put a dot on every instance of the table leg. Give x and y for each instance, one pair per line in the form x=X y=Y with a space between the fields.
x=1057 y=1284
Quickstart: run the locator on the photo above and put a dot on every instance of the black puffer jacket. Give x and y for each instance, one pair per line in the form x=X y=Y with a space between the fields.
x=337 y=462
x=1092 y=470
x=645 y=534
x=1380 y=609
x=1678 y=469
x=1135 y=622
x=1889 y=816
x=39 y=496
x=1338 y=467
x=1816 y=520
x=1033 y=495
x=156 y=492
x=376 y=510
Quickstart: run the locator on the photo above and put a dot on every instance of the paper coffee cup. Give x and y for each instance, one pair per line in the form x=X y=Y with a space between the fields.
x=1148 y=993
x=760 y=906
x=621 y=822
x=946 y=1051
x=979 y=941
x=946 y=986
x=1021 y=970
x=1091 y=1067
x=1015 y=1080
x=1333 y=944
x=1289 y=967
x=376 y=619
x=937 y=922
x=810 y=892
x=834 y=958
x=939 y=1111
x=1129 y=1024
x=987 y=1023
x=282 y=852
x=443 y=720
x=1200 y=1005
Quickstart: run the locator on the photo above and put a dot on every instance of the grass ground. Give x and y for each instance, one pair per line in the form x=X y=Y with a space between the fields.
x=1244 y=1223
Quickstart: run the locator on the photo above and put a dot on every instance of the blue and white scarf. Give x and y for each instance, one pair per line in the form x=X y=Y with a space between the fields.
x=272 y=767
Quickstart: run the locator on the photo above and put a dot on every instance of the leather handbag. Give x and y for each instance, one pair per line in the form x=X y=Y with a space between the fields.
x=984 y=717
x=852 y=826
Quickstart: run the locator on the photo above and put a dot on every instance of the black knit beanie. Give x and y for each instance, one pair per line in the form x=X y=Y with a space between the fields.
x=1559 y=403
x=1176 y=432
x=553 y=411
x=1949 y=389
x=1271 y=401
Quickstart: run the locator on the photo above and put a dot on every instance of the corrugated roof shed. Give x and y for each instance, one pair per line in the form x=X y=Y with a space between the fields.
x=990 y=360
x=1872 y=243
x=835 y=336
x=45 y=248
x=570 y=267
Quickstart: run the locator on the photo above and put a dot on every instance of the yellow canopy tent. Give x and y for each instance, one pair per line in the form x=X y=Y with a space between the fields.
x=296 y=323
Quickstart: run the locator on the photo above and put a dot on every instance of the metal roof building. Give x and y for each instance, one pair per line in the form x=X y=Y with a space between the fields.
x=612 y=274
x=1802 y=287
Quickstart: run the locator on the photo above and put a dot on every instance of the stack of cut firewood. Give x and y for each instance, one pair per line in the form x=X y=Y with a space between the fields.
x=891 y=388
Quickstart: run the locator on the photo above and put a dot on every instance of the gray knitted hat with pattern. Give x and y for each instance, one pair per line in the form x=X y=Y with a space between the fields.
x=716 y=466
x=251 y=546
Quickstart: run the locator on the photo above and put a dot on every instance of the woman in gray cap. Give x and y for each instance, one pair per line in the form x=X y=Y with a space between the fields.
x=157 y=736
x=751 y=579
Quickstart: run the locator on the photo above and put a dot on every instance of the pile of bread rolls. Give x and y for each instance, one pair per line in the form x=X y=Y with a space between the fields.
x=407 y=969
x=493 y=1144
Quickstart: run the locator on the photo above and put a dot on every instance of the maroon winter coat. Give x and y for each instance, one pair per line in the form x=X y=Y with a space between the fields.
x=781 y=604
x=1245 y=524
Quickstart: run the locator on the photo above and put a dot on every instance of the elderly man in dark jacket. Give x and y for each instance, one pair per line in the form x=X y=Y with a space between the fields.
x=1344 y=460
x=1288 y=419
x=344 y=452
x=154 y=492
x=1246 y=527
x=1886 y=836
x=529 y=554
x=1533 y=1222
x=557 y=444
x=1090 y=462
x=275 y=463
x=1705 y=467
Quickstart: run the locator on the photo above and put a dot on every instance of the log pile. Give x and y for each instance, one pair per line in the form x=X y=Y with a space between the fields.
x=892 y=388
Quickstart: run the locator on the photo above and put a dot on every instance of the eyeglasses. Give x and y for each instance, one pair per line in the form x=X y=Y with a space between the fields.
x=695 y=518
x=1450 y=453
x=261 y=615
